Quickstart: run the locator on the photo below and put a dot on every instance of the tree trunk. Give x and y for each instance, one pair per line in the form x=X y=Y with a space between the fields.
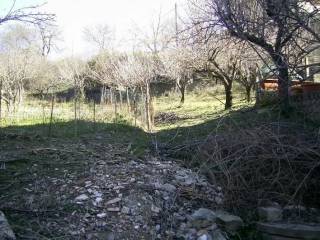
x=120 y=96
x=149 y=109
x=43 y=108
x=248 y=93
x=148 y=112
x=75 y=117
x=228 y=93
x=51 y=116
x=111 y=96
x=283 y=81
x=284 y=89
x=115 y=107
x=128 y=99
x=103 y=94
x=94 y=115
x=182 y=89
x=0 y=100
x=142 y=107
x=135 y=111
x=79 y=109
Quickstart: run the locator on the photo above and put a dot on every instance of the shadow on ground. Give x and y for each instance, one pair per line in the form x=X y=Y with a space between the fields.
x=140 y=141
x=33 y=157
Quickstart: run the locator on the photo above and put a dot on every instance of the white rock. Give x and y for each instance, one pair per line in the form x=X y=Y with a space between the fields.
x=101 y=215
x=204 y=214
x=132 y=180
x=113 y=201
x=155 y=209
x=97 y=194
x=88 y=183
x=218 y=200
x=168 y=187
x=113 y=209
x=97 y=201
x=204 y=237
x=125 y=210
x=158 y=227
x=82 y=197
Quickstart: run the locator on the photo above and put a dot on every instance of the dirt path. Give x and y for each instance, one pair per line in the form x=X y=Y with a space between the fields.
x=95 y=189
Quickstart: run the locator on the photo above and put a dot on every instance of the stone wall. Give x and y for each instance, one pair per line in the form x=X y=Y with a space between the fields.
x=288 y=223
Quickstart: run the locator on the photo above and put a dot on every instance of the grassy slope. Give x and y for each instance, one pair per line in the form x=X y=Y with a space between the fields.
x=201 y=115
x=199 y=107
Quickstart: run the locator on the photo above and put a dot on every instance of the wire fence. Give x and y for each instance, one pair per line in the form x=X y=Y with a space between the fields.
x=116 y=107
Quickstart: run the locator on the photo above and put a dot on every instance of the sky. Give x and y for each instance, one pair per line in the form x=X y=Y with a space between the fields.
x=121 y=15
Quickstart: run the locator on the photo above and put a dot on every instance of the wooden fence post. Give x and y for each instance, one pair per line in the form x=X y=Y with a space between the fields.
x=1 y=100
x=128 y=99
x=94 y=115
x=51 y=115
x=120 y=96
x=75 y=114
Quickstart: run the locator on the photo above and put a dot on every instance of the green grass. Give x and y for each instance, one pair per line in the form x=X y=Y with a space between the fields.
x=199 y=107
x=197 y=118
x=202 y=114
x=38 y=112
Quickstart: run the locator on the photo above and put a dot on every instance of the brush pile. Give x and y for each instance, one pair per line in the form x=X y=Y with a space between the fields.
x=279 y=162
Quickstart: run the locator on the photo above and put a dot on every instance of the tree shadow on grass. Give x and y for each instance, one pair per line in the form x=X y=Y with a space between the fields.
x=71 y=131
x=139 y=140
x=32 y=156
x=176 y=139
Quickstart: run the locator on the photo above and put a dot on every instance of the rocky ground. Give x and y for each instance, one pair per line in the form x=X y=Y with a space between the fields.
x=93 y=189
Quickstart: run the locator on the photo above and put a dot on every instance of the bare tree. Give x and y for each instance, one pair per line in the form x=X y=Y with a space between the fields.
x=155 y=37
x=48 y=37
x=247 y=77
x=180 y=65
x=220 y=59
x=73 y=72
x=19 y=53
x=105 y=69
x=99 y=35
x=280 y=28
x=30 y=14
x=140 y=70
x=46 y=78
x=225 y=71
x=248 y=72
